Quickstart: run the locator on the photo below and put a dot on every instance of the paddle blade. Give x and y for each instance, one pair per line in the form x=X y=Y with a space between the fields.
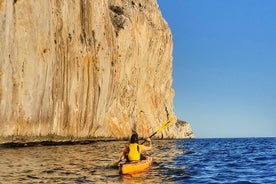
x=115 y=164
x=165 y=124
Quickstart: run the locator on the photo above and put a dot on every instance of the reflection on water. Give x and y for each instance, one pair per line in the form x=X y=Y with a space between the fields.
x=248 y=160
x=89 y=163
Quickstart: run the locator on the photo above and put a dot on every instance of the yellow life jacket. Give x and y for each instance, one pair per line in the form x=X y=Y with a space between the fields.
x=134 y=151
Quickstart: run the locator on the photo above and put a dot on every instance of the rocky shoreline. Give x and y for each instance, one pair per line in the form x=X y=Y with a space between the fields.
x=52 y=139
x=22 y=141
x=16 y=144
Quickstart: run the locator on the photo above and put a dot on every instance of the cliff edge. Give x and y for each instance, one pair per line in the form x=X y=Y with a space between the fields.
x=85 y=69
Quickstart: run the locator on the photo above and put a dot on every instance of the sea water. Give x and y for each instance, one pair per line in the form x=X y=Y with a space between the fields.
x=235 y=160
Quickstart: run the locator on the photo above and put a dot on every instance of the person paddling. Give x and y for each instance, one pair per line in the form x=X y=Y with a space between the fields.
x=133 y=152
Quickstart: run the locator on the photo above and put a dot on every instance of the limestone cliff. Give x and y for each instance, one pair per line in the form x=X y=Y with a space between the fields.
x=85 y=68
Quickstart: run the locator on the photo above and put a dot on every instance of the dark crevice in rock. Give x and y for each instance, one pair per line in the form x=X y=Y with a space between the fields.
x=117 y=9
x=117 y=18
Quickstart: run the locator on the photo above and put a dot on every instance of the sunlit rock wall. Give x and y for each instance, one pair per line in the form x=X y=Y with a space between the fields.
x=85 y=68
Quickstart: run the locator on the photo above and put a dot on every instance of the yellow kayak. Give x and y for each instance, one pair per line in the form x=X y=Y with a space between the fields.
x=135 y=166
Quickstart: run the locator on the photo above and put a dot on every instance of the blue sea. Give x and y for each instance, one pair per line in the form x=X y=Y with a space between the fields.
x=240 y=160
x=234 y=160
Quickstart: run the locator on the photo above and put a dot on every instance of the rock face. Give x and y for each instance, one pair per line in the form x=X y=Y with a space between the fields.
x=85 y=68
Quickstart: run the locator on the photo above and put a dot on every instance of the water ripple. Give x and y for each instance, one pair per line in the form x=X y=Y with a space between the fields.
x=250 y=160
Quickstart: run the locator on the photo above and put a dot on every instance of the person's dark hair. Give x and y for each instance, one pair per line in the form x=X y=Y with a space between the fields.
x=134 y=138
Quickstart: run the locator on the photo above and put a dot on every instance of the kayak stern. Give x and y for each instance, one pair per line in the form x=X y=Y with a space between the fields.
x=136 y=166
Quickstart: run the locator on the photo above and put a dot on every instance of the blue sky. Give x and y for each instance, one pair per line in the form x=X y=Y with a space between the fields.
x=224 y=65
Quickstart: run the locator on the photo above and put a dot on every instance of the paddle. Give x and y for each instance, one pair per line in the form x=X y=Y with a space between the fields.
x=164 y=125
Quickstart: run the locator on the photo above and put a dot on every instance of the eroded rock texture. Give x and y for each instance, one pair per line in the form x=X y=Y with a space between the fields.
x=85 y=68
